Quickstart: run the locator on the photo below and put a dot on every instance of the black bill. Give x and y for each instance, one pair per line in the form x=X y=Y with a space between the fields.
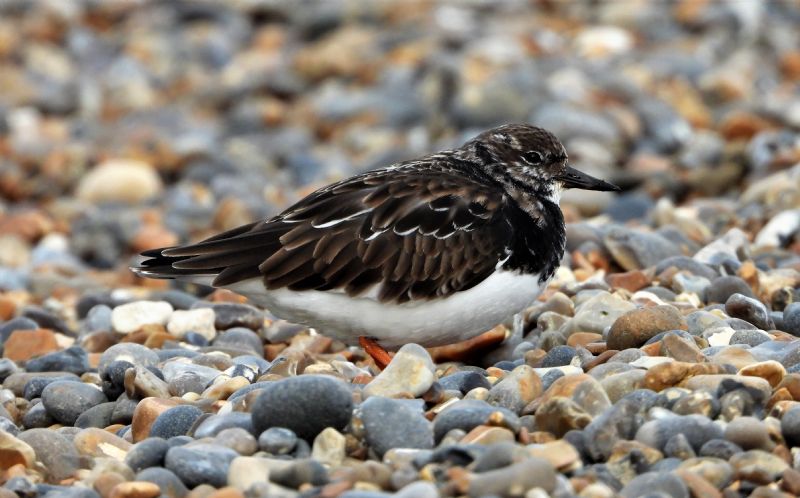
x=572 y=178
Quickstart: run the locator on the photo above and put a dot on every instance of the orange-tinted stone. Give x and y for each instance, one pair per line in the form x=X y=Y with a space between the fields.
x=23 y=345
x=630 y=280
x=146 y=413
x=135 y=489
x=583 y=338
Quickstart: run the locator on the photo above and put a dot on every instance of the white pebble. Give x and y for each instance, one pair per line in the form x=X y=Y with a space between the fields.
x=200 y=320
x=130 y=317
x=411 y=371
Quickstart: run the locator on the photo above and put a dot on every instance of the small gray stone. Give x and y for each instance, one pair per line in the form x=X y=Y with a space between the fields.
x=393 y=424
x=722 y=288
x=519 y=477
x=278 y=440
x=170 y=485
x=216 y=423
x=147 y=453
x=136 y=354
x=176 y=421
x=202 y=463
x=654 y=483
x=470 y=413
x=65 y=401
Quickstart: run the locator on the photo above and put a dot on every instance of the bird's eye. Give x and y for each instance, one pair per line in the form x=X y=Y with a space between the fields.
x=532 y=157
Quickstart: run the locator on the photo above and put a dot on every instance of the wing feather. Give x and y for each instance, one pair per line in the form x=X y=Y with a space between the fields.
x=412 y=232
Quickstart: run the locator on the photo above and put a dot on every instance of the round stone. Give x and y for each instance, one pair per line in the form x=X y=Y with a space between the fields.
x=148 y=453
x=394 y=424
x=198 y=464
x=750 y=310
x=722 y=288
x=170 y=485
x=278 y=440
x=133 y=353
x=306 y=404
x=791 y=319
x=470 y=413
x=65 y=401
x=175 y=421
x=635 y=328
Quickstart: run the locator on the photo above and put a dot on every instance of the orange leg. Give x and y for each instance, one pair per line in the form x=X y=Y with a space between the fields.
x=377 y=353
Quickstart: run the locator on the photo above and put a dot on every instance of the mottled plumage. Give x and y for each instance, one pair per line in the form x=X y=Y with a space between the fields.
x=423 y=230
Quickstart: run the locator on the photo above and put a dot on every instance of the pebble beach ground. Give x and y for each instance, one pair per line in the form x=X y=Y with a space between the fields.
x=663 y=360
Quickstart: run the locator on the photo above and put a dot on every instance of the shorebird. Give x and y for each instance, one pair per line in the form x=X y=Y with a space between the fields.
x=433 y=250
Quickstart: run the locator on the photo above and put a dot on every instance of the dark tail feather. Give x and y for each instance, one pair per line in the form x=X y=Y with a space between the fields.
x=159 y=266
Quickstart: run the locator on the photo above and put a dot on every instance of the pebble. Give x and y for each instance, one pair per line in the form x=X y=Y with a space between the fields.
x=410 y=373
x=636 y=327
x=65 y=401
x=200 y=463
x=56 y=453
x=130 y=317
x=119 y=180
x=750 y=310
x=175 y=421
x=392 y=424
x=306 y=404
x=512 y=480
x=146 y=454
x=200 y=321
x=278 y=440
x=516 y=389
x=468 y=414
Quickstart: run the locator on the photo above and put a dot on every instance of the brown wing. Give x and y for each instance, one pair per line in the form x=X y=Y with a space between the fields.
x=407 y=234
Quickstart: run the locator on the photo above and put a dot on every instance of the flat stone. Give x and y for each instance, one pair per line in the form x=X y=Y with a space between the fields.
x=771 y=371
x=135 y=489
x=135 y=354
x=514 y=480
x=22 y=345
x=411 y=372
x=470 y=413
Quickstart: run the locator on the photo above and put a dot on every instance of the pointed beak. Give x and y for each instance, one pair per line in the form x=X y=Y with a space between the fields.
x=572 y=178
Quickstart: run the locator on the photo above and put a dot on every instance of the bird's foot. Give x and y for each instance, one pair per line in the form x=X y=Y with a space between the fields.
x=372 y=348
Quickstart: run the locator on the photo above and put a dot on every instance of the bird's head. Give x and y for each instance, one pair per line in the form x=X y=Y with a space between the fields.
x=531 y=159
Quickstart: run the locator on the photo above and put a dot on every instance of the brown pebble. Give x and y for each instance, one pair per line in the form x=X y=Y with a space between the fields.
x=146 y=413
x=790 y=481
x=22 y=345
x=583 y=338
x=630 y=280
x=227 y=492
x=106 y=483
x=697 y=485
x=135 y=489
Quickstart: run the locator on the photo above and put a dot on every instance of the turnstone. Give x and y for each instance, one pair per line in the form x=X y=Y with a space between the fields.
x=433 y=250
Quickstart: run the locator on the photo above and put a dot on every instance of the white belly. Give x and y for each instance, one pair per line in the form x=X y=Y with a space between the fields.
x=429 y=323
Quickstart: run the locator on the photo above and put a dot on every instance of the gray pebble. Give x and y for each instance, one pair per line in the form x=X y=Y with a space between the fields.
x=65 y=401
x=200 y=464
x=391 y=424
x=307 y=404
x=176 y=421
x=147 y=453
